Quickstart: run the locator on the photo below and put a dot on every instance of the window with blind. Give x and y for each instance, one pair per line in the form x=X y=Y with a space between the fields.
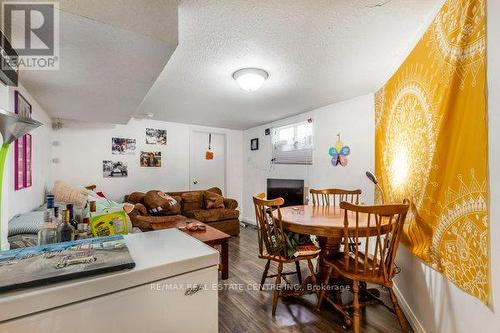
x=293 y=144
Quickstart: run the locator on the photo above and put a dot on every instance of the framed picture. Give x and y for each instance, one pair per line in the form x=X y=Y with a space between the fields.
x=151 y=159
x=254 y=144
x=23 y=108
x=23 y=162
x=156 y=136
x=28 y=181
x=121 y=146
x=114 y=169
x=19 y=164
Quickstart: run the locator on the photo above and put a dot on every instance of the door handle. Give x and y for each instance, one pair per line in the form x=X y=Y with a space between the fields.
x=195 y=182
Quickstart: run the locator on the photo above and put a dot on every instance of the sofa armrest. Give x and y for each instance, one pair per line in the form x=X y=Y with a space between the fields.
x=230 y=203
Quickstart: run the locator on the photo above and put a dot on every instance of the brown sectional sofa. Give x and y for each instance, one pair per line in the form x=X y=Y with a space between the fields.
x=193 y=206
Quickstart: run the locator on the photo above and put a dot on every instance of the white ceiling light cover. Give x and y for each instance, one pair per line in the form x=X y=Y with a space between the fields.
x=250 y=79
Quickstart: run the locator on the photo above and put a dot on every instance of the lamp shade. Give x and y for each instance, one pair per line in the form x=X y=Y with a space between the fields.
x=13 y=126
x=374 y=180
x=372 y=177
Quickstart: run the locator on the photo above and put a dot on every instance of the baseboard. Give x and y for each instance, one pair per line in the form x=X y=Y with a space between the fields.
x=414 y=322
x=247 y=220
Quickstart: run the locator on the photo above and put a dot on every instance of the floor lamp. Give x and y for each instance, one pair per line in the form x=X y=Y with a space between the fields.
x=374 y=180
x=12 y=127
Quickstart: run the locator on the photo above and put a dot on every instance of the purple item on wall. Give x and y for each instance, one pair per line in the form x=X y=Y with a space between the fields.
x=22 y=148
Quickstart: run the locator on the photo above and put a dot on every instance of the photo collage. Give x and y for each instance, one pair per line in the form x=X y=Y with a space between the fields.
x=150 y=158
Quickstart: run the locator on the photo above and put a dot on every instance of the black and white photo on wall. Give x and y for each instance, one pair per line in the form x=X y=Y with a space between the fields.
x=254 y=144
x=113 y=169
x=21 y=105
x=156 y=136
x=9 y=73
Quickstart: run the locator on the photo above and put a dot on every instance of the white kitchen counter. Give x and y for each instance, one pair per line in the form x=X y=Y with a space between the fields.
x=158 y=255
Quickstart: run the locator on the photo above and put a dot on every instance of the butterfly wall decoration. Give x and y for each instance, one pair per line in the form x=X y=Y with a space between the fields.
x=339 y=153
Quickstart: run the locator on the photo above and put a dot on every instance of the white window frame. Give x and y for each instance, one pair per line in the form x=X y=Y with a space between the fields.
x=288 y=155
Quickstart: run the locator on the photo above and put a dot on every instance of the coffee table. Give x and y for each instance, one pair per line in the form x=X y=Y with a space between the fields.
x=211 y=236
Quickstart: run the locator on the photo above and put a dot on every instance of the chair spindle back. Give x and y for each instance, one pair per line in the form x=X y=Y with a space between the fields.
x=270 y=232
x=375 y=238
x=334 y=196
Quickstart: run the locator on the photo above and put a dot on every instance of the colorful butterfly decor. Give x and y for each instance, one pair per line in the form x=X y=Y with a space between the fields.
x=339 y=153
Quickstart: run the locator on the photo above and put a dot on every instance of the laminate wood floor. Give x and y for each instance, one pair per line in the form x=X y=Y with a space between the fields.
x=243 y=309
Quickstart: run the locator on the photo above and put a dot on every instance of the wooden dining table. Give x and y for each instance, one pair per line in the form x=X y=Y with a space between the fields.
x=326 y=223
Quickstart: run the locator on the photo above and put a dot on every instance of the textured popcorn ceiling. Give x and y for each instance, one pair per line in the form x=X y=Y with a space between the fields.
x=153 y=18
x=317 y=53
x=112 y=51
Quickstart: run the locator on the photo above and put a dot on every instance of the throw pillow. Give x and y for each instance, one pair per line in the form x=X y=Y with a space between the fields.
x=192 y=200
x=213 y=200
x=215 y=190
x=64 y=192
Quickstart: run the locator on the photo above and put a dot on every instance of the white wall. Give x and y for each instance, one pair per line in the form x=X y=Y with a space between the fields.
x=434 y=303
x=81 y=147
x=16 y=202
x=353 y=119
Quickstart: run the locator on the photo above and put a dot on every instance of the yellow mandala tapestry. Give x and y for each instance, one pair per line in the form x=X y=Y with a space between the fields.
x=431 y=145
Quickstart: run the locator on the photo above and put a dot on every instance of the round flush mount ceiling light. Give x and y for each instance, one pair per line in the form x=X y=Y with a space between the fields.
x=250 y=79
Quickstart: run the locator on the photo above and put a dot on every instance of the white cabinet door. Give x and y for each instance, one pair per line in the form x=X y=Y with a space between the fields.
x=186 y=303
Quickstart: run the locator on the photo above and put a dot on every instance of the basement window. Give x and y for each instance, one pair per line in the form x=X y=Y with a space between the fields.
x=293 y=144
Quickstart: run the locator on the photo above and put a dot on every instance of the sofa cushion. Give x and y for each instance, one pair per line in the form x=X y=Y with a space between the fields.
x=213 y=200
x=212 y=215
x=192 y=200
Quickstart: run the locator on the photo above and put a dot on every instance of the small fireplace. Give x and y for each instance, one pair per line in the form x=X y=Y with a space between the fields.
x=292 y=190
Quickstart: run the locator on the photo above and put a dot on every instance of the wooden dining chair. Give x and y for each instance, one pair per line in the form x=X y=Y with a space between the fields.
x=376 y=237
x=334 y=196
x=272 y=246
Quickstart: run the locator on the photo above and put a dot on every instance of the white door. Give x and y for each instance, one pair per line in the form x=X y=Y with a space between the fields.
x=206 y=173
